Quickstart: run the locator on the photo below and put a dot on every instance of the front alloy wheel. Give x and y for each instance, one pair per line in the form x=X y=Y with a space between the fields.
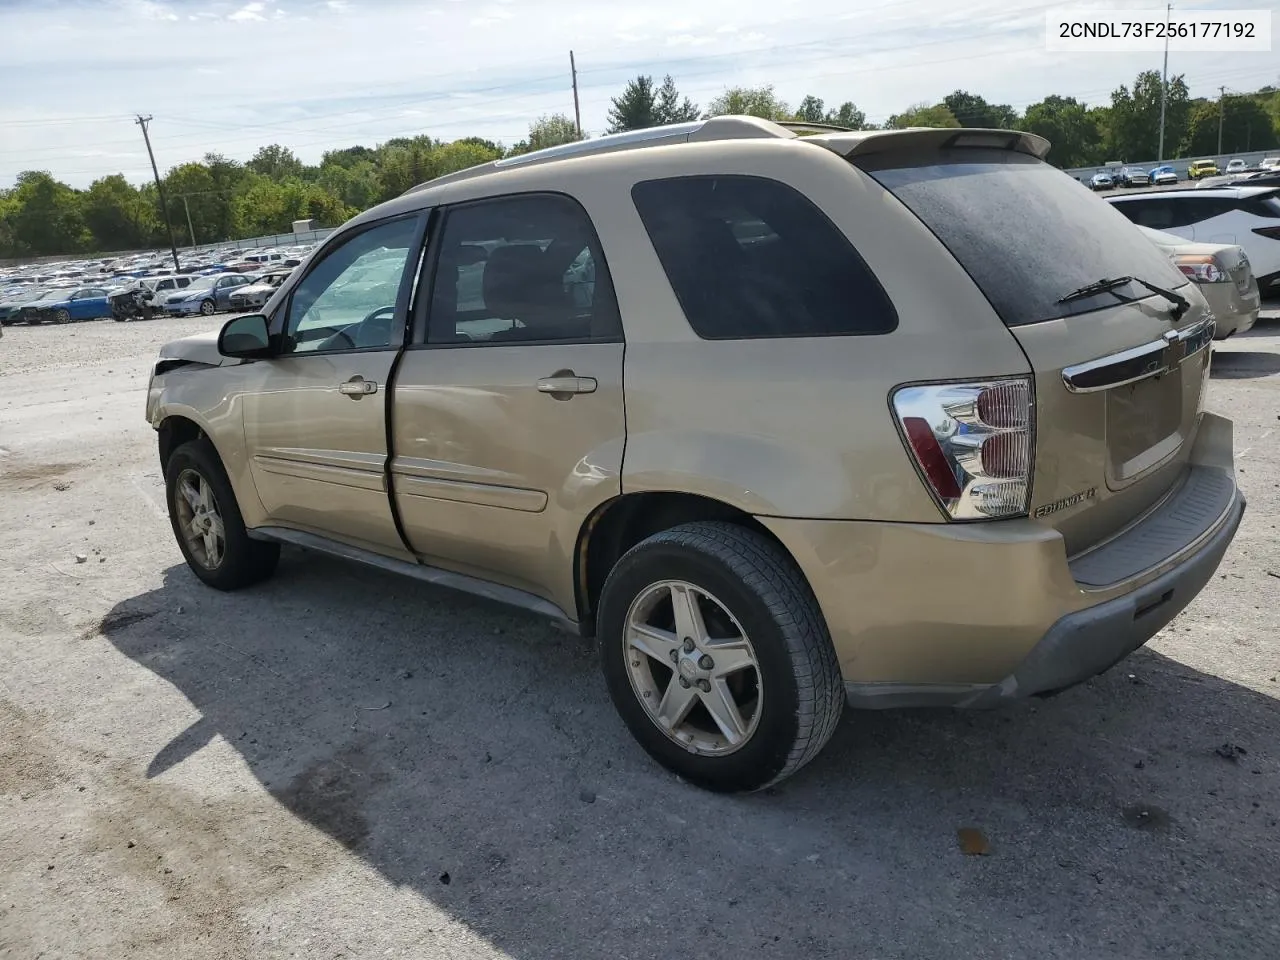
x=62 y=316
x=200 y=520
x=206 y=308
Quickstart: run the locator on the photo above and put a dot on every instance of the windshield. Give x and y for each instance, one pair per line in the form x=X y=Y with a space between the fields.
x=1027 y=233
x=201 y=283
x=58 y=293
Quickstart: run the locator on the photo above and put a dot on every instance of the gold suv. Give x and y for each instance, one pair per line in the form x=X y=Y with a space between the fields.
x=888 y=418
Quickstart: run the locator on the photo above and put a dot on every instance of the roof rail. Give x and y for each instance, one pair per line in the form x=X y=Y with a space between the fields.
x=713 y=128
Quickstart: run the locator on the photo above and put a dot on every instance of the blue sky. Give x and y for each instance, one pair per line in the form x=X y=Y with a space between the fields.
x=230 y=75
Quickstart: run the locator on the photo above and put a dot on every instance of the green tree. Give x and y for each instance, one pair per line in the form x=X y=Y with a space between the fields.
x=847 y=115
x=971 y=110
x=671 y=106
x=276 y=162
x=811 y=110
x=116 y=214
x=348 y=156
x=46 y=216
x=751 y=102
x=1066 y=123
x=642 y=105
x=1135 y=118
x=923 y=115
x=636 y=107
x=1246 y=125
x=552 y=131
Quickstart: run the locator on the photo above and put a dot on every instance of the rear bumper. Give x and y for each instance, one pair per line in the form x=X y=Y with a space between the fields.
x=976 y=614
x=1235 y=312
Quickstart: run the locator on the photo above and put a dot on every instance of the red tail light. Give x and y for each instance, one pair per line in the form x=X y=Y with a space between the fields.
x=931 y=458
x=972 y=443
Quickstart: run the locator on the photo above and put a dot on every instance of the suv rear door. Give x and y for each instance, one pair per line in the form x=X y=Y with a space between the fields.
x=1119 y=376
x=509 y=425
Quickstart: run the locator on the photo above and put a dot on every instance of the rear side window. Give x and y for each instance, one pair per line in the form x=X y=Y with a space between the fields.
x=1026 y=233
x=524 y=268
x=749 y=257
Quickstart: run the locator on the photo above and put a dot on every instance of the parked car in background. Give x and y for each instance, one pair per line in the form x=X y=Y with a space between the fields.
x=624 y=448
x=1132 y=177
x=1246 y=216
x=258 y=292
x=1259 y=178
x=1162 y=174
x=13 y=300
x=206 y=295
x=67 y=304
x=1269 y=163
x=1101 y=181
x=1223 y=274
x=1202 y=168
x=1237 y=166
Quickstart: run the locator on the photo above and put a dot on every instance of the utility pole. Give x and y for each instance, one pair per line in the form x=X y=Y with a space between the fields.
x=1222 y=111
x=190 y=229
x=577 y=114
x=164 y=207
x=1164 y=80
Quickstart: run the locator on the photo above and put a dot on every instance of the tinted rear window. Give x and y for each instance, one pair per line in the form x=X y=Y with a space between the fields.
x=1027 y=233
x=750 y=257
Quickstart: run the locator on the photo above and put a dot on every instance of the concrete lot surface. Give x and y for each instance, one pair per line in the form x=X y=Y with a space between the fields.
x=341 y=764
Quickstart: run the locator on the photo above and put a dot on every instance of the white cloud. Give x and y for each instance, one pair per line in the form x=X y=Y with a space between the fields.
x=338 y=5
x=493 y=78
x=149 y=9
x=250 y=11
x=690 y=40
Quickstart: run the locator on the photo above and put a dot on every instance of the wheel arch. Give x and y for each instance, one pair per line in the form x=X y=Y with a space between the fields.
x=620 y=523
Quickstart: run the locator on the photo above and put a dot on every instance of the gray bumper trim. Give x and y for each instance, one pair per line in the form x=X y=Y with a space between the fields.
x=1090 y=641
x=1080 y=645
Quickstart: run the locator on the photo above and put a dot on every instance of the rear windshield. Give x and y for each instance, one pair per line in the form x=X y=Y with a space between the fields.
x=1027 y=233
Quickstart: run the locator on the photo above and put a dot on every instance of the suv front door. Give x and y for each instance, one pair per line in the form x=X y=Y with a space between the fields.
x=315 y=420
x=509 y=425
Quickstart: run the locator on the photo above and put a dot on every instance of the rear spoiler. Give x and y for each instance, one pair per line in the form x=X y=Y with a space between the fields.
x=863 y=143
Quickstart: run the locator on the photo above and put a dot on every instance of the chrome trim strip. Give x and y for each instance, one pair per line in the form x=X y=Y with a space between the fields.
x=1142 y=362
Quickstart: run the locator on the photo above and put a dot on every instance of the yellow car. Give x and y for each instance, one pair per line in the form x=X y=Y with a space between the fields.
x=1202 y=168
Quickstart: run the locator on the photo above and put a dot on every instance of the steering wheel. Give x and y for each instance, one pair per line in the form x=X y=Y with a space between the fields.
x=365 y=333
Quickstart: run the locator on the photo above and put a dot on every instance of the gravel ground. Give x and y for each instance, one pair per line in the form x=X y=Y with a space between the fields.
x=340 y=764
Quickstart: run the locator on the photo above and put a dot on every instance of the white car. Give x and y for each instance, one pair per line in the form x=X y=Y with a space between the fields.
x=1269 y=163
x=1246 y=216
x=1222 y=273
x=1237 y=166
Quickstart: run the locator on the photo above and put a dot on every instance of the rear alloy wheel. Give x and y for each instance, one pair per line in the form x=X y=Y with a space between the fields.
x=207 y=307
x=62 y=316
x=717 y=656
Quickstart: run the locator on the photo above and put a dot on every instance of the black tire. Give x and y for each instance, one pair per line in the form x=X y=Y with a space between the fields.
x=62 y=316
x=208 y=308
x=244 y=561
x=803 y=694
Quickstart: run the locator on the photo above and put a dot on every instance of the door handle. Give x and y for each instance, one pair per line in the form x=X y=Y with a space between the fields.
x=358 y=387
x=564 y=385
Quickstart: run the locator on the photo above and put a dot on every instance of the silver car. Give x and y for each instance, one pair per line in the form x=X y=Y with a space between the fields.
x=1223 y=274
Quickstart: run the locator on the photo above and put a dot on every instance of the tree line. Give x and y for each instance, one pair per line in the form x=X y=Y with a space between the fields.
x=218 y=199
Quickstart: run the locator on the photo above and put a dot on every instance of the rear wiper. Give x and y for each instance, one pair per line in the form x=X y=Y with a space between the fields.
x=1180 y=304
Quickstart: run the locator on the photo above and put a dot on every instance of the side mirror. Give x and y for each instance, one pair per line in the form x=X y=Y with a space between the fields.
x=246 y=338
